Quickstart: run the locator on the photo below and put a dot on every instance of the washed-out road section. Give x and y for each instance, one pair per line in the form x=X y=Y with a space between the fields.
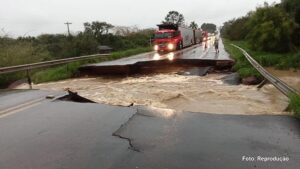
x=57 y=134
x=65 y=134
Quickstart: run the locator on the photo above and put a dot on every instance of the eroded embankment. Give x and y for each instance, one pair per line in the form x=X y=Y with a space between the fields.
x=182 y=93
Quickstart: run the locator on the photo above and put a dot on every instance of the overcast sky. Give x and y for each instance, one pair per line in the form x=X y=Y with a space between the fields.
x=33 y=17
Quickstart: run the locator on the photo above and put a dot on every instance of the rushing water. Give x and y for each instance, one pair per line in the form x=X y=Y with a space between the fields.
x=181 y=93
x=291 y=77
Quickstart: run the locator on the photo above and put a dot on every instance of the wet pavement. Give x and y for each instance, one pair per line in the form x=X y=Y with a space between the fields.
x=199 y=140
x=60 y=134
x=191 y=56
x=64 y=134
x=15 y=99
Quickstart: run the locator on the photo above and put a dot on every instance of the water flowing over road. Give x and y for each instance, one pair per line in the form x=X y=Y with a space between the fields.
x=180 y=117
x=172 y=91
x=177 y=88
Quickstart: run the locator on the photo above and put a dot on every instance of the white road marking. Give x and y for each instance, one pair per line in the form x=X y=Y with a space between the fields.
x=20 y=107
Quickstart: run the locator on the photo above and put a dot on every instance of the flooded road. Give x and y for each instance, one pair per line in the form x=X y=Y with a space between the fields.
x=168 y=89
x=172 y=91
x=189 y=118
x=177 y=91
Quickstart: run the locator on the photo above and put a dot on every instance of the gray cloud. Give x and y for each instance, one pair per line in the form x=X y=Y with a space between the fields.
x=34 y=17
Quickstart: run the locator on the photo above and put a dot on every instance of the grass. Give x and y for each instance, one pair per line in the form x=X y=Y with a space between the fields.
x=277 y=60
x=294 y=104
x=242 y=66
x=280 y=61
x=56 y=73
x=130 y=52
x=71 y=69
x=266 y=59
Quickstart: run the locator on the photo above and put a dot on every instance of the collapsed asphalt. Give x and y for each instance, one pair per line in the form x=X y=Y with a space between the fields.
x=63 y=134
x=67 y=134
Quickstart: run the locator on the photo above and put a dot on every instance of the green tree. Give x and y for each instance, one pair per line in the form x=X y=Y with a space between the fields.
x=209 y=27
x=97 y=28
x=236 y=29
x=292 y=7
x=271 y=29
x=193 y=25
x=174 y=17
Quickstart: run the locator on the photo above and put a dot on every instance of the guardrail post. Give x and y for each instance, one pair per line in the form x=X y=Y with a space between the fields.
x=28 y=78
x=262 y=84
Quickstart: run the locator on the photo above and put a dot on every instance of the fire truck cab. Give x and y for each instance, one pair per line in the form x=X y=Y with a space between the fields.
x=170 y=37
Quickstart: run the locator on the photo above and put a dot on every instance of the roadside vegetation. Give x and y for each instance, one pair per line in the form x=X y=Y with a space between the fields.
x=125 y=41
x=242 y=66
x=271 y=35
x=295 y=104
x=174 y=17
x=71 y=70
x=289 y=60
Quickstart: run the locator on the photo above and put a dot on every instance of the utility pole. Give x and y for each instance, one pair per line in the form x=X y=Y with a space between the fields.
x=68 y=23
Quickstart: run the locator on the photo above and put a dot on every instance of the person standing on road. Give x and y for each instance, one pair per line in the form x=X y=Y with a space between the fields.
x=216 y=44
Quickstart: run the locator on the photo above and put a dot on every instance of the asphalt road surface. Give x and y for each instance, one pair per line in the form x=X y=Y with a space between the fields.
x=55 y=134
x=63 y=134
x=193 y=56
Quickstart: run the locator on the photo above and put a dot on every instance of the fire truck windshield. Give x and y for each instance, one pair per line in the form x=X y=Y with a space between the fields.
x=163 y=35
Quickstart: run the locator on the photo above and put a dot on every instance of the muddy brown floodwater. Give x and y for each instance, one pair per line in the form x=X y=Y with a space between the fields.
x=291 y=77
x=177 y=92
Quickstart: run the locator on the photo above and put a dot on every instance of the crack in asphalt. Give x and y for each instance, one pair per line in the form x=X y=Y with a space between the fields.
x=132 y=147
x=117 y=133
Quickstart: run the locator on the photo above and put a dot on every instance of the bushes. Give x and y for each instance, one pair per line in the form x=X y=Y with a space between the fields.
x=13 y=52
x=248 y=72
x=236 y=29
x=61 y=46
x=56 y=73
x=295 y=104
x=270 y=28
x=70 y=70
x=57 y=46
x=65 y=71
x=242 y=65
x=266 y=59
x=16 y=52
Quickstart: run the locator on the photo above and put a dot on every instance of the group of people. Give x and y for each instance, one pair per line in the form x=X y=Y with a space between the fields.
x=216 y=45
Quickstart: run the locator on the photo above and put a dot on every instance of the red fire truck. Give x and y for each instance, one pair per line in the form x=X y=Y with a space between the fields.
x=170 y=37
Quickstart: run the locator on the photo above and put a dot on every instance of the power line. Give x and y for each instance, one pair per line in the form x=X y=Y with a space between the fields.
x=68 y=23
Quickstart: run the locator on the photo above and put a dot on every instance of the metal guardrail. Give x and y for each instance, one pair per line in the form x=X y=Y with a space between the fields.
x=279 y=84
x=27 y=67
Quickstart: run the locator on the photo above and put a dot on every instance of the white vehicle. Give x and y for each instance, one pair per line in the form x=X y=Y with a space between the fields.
x=187 y=35
x=197 y=36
